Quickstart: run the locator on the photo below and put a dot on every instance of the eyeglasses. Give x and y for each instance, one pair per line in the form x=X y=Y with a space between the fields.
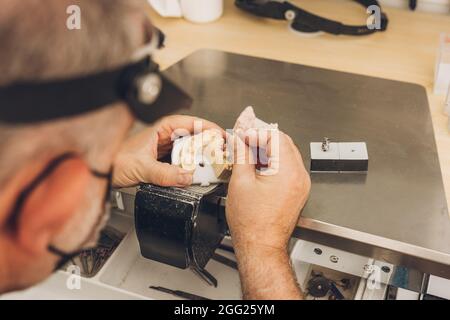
x=51 y=167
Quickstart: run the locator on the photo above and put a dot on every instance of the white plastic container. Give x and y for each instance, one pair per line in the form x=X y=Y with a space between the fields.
x=197 y=11
x=202 y=11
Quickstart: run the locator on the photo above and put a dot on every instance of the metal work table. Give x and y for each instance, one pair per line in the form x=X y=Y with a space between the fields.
x=397 y=212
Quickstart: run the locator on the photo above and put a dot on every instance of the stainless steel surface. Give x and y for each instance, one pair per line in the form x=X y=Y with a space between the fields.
x=397 y=212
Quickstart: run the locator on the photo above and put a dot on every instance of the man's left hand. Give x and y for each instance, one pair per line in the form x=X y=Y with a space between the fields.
x=138 y=159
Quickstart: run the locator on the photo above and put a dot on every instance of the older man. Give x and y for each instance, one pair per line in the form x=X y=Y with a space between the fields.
x=54 y=171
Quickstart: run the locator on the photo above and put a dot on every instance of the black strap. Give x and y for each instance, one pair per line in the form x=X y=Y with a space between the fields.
x=307 y=21
x=265 y=9
x=41 y=101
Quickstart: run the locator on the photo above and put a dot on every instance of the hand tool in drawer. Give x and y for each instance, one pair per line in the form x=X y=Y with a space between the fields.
x=179 y=293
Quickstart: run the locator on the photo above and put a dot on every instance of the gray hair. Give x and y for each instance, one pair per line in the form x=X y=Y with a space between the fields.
x=35 y=45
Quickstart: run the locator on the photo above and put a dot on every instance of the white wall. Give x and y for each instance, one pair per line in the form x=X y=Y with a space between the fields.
x=436 y=6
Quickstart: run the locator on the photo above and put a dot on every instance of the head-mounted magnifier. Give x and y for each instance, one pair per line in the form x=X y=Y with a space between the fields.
x=306 y=22
x=140 y=84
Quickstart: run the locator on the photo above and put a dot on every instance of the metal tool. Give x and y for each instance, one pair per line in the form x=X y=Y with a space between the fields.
x=222 y=246
x=336 y=292
x=342 y=157
x=179 y=293
x=319 y=286
x=92 y=260
x=325 y=144
x=179 y=227
x=226 y=261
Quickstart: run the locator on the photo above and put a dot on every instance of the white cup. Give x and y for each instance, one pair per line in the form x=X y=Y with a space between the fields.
x=201 y=11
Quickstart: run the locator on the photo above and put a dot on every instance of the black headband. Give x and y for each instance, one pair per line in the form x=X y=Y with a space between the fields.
x=148 y=94
x=305 y=21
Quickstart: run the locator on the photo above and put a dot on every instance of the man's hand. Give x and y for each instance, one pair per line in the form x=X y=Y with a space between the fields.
x=138 y=162
x=262 y=212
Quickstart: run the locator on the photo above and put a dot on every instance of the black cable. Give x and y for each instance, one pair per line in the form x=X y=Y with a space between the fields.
x=305 y=21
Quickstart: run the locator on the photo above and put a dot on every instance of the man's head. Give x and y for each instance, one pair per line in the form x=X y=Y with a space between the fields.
x=65 y=208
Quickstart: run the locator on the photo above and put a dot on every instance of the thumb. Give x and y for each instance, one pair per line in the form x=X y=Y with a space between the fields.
x=165 y=175
x=243 y=160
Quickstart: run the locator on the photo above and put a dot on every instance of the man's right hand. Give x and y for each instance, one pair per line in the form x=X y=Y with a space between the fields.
x=262 y=212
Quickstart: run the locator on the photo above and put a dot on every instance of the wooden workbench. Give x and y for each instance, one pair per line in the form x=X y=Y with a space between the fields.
x=406 y=52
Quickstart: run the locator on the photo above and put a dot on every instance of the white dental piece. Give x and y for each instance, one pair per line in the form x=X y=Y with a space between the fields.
x=205 y=153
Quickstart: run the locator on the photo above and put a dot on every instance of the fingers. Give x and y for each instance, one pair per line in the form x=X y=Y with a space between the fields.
x=259 y=138
x=244 y=163
x=185 y=125
x=164 y=174
x=283 y=155
x=261 y=142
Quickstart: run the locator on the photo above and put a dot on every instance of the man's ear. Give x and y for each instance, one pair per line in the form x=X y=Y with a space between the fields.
x=53 y=202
